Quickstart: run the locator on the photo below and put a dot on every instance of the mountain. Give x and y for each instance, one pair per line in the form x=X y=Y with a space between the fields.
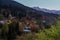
x=15 y=6
x=10 y=3
x=19 y=10
x=47 y=10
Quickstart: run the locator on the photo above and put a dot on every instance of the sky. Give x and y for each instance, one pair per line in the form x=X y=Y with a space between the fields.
x=48 y=4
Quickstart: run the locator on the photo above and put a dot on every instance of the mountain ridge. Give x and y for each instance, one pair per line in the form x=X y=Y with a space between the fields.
x=47 y=10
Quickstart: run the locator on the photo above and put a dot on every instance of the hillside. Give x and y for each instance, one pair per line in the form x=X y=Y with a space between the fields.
x=20 y=10
x=19 y=22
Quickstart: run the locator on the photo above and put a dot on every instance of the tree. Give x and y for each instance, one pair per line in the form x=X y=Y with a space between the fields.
x=1 y=17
